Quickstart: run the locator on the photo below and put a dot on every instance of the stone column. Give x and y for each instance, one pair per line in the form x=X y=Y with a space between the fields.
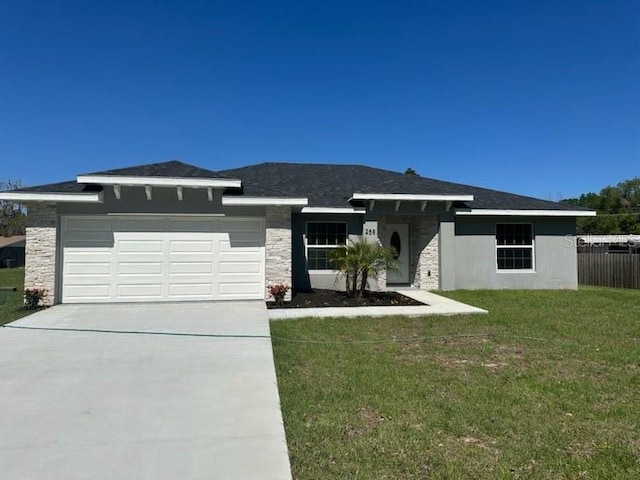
x=428 y=260
x=278 y=247
x=40 y=250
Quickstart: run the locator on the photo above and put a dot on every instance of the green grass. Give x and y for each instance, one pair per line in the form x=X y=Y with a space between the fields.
x=545 y=386
x=11 y=307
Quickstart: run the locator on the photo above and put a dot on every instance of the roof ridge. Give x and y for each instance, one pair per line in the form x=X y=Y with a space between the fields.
x=160 y=169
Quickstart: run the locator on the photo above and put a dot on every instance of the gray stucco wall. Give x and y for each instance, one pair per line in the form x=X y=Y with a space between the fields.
x=472 y=261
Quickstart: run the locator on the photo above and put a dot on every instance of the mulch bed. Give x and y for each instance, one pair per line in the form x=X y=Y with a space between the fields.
x=318 y=298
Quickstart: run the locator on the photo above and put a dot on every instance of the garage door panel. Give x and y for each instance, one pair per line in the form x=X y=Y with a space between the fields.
x=201 y=290
x=131 y=259
x=87 y=254
x=191 y=246
x=88 y=280
x=138 y=246
x=84 y=292
x=95 y=268
x=240 y=290
x=131 y=291
x=137 y=268
x=140 y=279
x=185 y=268
x=230 y=267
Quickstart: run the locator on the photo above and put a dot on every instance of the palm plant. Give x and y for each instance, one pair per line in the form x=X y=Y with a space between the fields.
x=359 y=261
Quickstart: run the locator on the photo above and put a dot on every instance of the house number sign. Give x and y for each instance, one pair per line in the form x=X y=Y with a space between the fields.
x=370 y=230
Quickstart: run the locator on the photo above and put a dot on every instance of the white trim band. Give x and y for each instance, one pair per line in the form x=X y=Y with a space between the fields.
x=527 y=213
x=160 y=181
x=411 y=197
x=333 y=210
x=92 y=197
x=240 y=201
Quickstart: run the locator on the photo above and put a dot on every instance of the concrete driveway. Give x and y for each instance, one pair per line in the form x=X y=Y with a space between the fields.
x=154 y=391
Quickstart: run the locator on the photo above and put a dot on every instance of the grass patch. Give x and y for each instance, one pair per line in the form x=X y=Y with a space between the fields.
x=545 y=386
x=11 y=303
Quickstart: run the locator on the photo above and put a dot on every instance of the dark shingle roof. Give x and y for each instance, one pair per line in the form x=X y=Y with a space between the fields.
x=172 y=168
x=332 y=185
x=63 y=187
x=325 y=185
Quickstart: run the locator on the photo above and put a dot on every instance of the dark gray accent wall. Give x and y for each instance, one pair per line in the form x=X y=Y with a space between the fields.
x=303 y=278
x=163 y=200
x=471 y=263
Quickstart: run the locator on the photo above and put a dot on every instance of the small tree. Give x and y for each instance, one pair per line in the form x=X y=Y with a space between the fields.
x=12 y=217
x=359 y=261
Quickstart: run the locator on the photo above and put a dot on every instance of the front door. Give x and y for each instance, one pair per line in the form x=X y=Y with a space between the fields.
x=397 y=236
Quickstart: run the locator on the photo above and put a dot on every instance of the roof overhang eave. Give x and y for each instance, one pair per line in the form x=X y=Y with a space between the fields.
x=338 y=210
x=231 y=201
x=525 y=213
x=52 y=197
x=160 y=181
x=410 y=197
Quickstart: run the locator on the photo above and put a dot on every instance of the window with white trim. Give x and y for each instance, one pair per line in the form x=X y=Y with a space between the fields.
x=322 y=237
x=514 y=246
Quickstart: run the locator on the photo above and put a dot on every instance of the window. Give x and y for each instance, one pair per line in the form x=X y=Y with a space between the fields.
x=321 y=238
x=514 y=246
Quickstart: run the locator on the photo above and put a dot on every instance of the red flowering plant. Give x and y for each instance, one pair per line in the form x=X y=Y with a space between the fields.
x=278 y=291
x=33 y=297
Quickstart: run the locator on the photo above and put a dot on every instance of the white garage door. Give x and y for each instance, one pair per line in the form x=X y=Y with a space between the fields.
x=148 y=259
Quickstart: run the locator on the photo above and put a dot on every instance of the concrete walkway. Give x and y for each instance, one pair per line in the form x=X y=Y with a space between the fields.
x=144 y=392
x=434 y=305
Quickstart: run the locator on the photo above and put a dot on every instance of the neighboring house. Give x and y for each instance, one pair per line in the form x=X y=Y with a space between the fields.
x=608 y=243
x=12 y=251
x=175 y=232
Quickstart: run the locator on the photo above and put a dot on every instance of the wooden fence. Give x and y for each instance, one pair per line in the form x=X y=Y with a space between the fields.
x=609 y=270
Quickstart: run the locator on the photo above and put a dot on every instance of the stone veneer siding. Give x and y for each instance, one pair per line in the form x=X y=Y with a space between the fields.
x=428 y=268
x=424 y=260
x=40 y=249
x=278 y=247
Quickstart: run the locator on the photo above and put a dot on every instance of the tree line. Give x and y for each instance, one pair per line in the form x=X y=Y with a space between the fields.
x=617 y=207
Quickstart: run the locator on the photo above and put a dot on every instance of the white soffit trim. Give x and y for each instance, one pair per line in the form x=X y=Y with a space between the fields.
x=160 y=181
x=92 y=197
x=240 y=201
x=411 y=197
x=527 y=213
x=333 y=210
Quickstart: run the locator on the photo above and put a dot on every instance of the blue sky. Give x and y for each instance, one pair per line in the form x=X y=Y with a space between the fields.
x=536 y=97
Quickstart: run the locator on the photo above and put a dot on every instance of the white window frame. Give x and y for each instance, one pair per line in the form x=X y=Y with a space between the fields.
x=307 y=246
x=504 y=247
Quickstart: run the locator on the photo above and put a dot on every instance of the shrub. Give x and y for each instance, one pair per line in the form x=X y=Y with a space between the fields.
x=359 y=261
x=278 y=292
x=33 y=297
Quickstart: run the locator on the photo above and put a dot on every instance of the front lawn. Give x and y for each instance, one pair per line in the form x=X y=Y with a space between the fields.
x=11 y=306
x=545 y=386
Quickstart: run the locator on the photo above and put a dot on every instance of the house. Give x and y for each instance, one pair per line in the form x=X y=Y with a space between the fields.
x=608 y=243
x=176 y=232
x=12 y=251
